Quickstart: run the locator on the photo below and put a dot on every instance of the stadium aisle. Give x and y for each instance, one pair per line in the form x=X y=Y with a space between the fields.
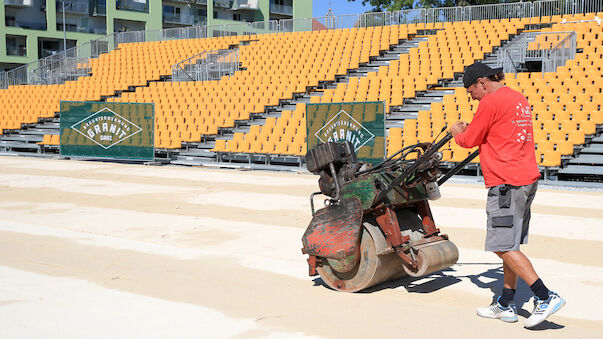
x=188 y=252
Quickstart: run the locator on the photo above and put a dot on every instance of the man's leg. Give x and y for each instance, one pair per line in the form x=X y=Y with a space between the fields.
x=519 y=265
x=510 y=283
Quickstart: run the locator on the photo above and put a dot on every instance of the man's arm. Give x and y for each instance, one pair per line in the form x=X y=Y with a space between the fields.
x=474 y=134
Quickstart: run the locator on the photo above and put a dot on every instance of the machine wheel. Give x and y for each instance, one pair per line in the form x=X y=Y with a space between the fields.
x=369 y=270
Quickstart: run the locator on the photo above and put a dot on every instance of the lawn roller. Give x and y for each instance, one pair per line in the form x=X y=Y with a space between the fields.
x=376 y=225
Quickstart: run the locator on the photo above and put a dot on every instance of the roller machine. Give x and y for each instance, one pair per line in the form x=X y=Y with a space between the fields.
x=376 y=224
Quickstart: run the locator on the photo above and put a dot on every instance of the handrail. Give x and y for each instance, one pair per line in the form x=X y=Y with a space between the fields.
x=541 y=8
x=516 y=52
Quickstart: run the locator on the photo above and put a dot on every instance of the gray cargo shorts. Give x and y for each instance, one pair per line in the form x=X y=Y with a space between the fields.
x=508 y=210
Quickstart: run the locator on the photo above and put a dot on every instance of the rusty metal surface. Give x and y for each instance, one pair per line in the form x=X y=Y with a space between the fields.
x=433 y=257
x=371 y=269
x=427 y=219
x=365 y=190
x=334 y=231
x=388 y=222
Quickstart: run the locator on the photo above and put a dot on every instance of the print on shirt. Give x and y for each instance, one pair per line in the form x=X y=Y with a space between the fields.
x=524 y=123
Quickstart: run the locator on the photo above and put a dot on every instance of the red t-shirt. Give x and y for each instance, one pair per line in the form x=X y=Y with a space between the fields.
x=502 y=128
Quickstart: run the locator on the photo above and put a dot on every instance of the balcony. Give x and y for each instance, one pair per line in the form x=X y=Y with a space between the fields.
x=223 y=3
x=99 y=10
x=11 y=22
x=133 y=5
x=82 y=27
x=281 y=9
x=73 y=7
x=19 y=3
x=183 y=19
x=246 y=4
x=188 y=2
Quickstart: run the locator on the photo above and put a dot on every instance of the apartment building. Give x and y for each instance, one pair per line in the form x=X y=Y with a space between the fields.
x=33 y=29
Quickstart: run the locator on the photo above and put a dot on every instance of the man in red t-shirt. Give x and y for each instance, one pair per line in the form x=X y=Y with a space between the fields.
x=502 y=128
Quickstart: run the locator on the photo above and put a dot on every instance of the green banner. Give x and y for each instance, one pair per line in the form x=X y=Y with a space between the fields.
x=361 y=123
x=107 y=130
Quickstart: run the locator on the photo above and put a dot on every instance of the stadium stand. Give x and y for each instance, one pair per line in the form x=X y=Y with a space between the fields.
x=260 y=110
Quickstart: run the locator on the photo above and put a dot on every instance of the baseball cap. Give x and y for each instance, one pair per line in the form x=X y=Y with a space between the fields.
x=478 y=70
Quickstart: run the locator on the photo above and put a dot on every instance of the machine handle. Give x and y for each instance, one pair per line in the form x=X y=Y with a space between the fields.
x=412 y=168
x=457 y=168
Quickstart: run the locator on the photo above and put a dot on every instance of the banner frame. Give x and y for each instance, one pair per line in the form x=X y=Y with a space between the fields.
x=82 y=157
x=348 y=103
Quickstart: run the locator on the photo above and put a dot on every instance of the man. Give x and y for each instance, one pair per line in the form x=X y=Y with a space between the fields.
x=502 y=128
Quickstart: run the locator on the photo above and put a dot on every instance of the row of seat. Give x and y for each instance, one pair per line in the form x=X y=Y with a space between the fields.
x=261 y=84
x=566 y=105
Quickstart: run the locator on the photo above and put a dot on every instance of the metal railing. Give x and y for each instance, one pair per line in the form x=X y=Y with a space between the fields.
x=244 y=4
x=208 y=65
x=73 y=7
x=99 y=9
x=21 y=3
x=184 y=19
x=544 y=8
x=281 y=9
x=223 y=3
x=553 y=49
x=558 y=55
x=133 y=5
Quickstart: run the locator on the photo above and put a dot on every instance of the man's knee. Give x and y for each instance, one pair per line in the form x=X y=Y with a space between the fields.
x=500 y=254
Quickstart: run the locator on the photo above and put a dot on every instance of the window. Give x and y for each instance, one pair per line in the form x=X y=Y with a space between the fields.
x=236 y=17
x=16 y=45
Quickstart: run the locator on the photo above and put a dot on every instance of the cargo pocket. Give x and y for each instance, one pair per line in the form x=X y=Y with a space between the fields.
x=502 y=221
x=501 y=235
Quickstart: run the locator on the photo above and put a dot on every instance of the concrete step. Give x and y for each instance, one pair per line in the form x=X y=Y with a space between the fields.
x=582 y=170
x=415 y=107
x=22 y=138
x=593 y=149
x=427 y=100
x=40 y=131
x=19 y=145
x=590 y=159
x=401 y=115
x=196 y=152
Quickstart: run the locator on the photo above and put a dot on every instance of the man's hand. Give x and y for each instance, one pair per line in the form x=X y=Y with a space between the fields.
x=458 y=128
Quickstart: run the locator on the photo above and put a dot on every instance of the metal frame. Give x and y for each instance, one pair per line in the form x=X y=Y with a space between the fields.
x=519 y=51
x=207 y=65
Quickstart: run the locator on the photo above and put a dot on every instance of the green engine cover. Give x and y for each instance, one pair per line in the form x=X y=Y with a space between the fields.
x=364 y=189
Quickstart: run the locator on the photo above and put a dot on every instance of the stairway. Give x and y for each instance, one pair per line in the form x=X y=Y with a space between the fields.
x=587 y=165
x=199 y=153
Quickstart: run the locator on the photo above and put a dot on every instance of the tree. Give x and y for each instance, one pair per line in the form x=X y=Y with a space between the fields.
x=394 y=5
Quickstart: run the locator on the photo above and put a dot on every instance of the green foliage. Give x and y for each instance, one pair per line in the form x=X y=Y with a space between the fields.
x=393 y=5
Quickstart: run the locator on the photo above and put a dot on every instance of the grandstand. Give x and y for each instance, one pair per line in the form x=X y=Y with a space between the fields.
x=411 y=60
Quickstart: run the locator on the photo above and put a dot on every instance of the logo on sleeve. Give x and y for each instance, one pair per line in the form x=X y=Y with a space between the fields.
x=523 y=121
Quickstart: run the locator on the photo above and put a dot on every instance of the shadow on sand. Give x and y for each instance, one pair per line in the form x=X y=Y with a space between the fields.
x=446 y=278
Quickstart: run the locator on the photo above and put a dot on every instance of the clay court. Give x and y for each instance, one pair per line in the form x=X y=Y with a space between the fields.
x=107 y=250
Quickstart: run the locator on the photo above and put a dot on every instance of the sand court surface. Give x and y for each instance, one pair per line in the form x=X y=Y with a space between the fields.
x=105 y=250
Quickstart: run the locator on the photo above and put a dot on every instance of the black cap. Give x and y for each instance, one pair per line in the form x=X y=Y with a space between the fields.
x=478 y=70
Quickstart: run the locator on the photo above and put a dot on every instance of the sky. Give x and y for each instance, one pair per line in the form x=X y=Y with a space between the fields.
x=339 y=7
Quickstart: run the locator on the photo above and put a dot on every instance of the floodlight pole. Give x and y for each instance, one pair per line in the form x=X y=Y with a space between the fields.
x=64 y=31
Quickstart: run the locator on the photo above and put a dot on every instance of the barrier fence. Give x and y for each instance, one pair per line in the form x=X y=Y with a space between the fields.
x=546 y=8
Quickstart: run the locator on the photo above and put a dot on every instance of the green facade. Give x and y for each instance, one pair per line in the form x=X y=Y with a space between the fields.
x=91 y=19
